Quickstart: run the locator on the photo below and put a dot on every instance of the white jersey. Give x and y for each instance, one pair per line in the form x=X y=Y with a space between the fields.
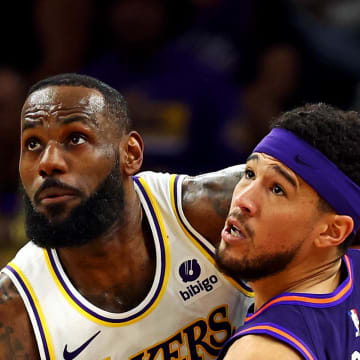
x=189 y=312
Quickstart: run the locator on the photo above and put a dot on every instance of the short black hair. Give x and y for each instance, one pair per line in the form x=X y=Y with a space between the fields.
x=116 y=104
x=334 y=132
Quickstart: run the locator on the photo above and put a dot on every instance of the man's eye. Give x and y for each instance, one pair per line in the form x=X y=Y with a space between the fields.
x=33 y=145
x=77 y=139
x=278 y=190
x=249 y=174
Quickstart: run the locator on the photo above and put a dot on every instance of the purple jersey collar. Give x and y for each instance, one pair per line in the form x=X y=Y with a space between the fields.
x=316 y=169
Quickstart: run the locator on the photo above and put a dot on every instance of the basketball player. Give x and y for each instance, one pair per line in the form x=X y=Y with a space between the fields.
x=292 y=217
x=119 y=264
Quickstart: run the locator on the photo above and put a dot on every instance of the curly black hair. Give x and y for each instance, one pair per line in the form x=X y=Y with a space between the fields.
x=334 y=132
x=116 y=104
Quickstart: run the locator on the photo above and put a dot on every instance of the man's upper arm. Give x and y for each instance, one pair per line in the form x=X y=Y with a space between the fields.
x=252 y=347
x=16 y=335
x=206 y=200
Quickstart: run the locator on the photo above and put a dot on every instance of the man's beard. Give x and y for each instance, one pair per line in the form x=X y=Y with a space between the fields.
x=86 y=222
x=256 y=268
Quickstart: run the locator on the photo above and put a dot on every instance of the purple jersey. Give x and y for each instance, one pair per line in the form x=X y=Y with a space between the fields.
x=318 y=326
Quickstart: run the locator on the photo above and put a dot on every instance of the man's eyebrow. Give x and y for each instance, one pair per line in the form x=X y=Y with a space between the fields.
x=278 y=169
x=286 y=175
x=30 y=124
x=86 y=120
x=252 y=157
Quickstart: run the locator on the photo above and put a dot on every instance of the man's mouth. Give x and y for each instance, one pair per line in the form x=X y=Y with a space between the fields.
x=55 y=195
x=234 y=231
x=56 y=199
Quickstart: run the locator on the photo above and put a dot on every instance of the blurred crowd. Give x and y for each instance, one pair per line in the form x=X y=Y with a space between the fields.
x=203 y=78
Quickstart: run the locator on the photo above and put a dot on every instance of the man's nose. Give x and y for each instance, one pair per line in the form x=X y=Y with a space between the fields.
x=247 y=197
x=52 y=161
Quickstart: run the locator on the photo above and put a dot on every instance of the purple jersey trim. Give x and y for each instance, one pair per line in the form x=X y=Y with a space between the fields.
x=312 y=300
x=281 y=334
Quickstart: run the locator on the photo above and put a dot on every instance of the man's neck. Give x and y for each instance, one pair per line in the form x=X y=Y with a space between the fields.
x=116 y=271
x=317 y=279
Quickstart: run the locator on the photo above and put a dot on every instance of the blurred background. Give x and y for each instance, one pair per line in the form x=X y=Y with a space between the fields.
x=203 y=78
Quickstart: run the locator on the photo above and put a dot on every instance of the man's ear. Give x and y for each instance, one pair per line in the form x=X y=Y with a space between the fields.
x=336 y=230
x=131 y=153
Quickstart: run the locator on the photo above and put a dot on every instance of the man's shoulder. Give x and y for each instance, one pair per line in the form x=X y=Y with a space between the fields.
x=8 y=292
x=11 y=303
x=16 y=335
x=154 y=176
x=261 y=347
x=161 y=185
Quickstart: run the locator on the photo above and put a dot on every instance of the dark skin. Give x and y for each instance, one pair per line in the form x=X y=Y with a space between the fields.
x=67 y=134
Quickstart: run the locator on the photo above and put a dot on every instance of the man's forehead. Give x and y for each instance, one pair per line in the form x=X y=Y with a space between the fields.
x=264 y=158
x=53 y=98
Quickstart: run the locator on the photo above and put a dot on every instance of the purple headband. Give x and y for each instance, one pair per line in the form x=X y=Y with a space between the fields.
x=316 y=169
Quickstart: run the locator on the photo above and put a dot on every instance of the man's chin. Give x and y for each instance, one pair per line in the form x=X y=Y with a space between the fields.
x=226 y=254
x=225 y=262
x=57 y=219
x=55 y=213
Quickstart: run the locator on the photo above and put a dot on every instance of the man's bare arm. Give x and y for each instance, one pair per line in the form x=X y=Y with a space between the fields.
x=206 y=200
x=17 y=339
x=252 y=347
